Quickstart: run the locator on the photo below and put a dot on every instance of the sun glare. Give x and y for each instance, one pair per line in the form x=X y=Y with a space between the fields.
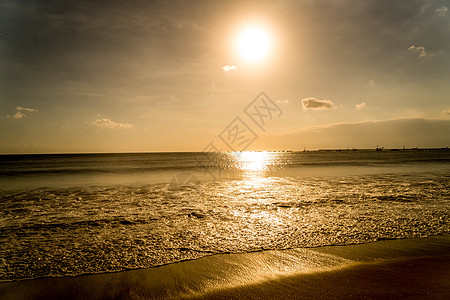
x=253 y=44
x=253 y=161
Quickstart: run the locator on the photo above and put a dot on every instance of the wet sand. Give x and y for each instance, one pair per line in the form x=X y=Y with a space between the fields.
x=418 y=278
x=412 y=268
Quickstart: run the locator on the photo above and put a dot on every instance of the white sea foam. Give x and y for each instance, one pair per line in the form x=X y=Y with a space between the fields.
x=90 y=229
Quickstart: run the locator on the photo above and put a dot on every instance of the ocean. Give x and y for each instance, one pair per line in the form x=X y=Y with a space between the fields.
x=72 y=214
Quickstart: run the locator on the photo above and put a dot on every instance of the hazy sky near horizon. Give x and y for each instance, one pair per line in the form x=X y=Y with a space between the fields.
x=112 y=76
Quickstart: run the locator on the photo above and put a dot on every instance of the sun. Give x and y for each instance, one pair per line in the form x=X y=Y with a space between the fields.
x=253 y=43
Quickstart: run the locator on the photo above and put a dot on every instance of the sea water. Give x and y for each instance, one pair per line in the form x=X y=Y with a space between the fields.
x=72 y=214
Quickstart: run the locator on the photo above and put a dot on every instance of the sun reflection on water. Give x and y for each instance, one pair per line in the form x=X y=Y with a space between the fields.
x=251 y=161
x=255 y=166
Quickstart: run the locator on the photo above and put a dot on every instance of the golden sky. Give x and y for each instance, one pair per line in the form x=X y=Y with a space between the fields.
x=113 y=76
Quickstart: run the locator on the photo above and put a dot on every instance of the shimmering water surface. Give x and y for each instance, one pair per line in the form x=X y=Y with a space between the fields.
x=89 y=213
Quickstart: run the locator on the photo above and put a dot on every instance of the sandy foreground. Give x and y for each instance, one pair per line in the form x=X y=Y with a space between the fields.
x=410 y=268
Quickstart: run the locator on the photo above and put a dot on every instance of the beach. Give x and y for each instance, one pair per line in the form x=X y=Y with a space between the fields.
x=224 y=149
x=420 y=278
x=270 y=224
x=411 y=268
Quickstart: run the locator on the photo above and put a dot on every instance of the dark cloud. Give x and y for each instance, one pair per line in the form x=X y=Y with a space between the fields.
x=358 y=35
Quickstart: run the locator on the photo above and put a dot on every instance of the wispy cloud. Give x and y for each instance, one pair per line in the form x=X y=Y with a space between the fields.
x=21 y=112
x=285 y=101
x=420 y=51
x=20 y=108
x=361 y=105
x=441 y=11
x=314 y=103
x=229 y=68
x=110 y=124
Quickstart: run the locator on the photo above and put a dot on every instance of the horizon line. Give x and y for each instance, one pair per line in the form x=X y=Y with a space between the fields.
x=284 y=150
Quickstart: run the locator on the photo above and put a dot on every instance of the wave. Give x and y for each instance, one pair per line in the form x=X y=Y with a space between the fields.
x=64 y=231
x=48 y=227
x=96 y=164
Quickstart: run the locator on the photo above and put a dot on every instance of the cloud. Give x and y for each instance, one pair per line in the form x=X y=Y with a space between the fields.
x=314 y=103
x=441 y=11
x=229 y=68
x=285 y=101
x=419 y=51
x=20 y=108
x=412 y=132
x=17 y=115
x=20 y=112
x=360 y=106
x=111 y=124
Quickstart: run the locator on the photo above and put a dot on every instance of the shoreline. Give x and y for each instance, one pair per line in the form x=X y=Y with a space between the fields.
x=244 y=274
x=409 y=278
